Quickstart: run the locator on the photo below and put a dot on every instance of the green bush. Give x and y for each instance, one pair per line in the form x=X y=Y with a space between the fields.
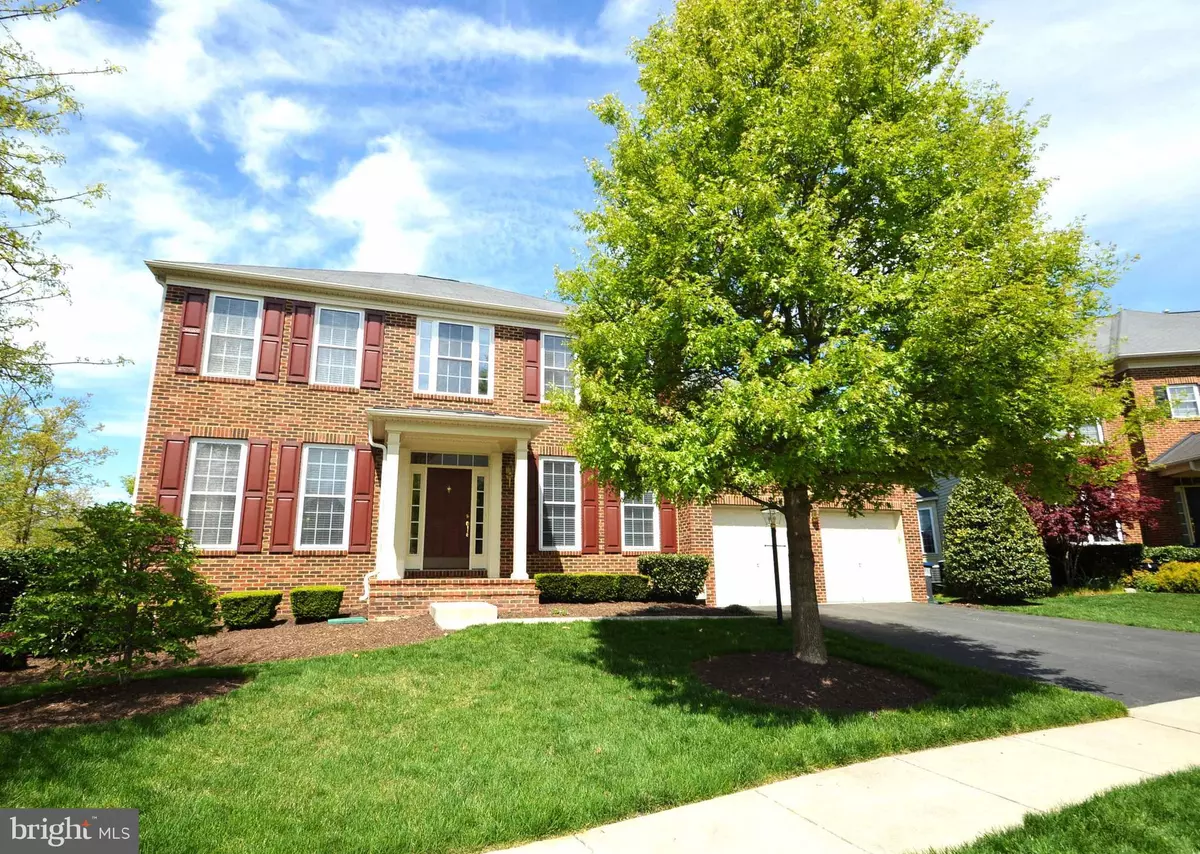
x=592 y=587
x=17 y=568
x=1143 y=580
x=14 y=660
x=249 y=609
x=674 y=578
x=1101 y=565
x=318 y=602
x=1167 y=554
x=1177 y=577
x=633 y=588
x=991 y=548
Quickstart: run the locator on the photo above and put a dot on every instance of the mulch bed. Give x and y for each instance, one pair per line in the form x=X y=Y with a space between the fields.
x=617 y=609
x=102 y=703
x=779 y=679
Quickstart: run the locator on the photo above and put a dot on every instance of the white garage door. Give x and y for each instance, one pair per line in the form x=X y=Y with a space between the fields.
x=864 y=556
x=742 y=558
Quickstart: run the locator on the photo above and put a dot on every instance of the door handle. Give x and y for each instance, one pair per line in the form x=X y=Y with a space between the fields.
x=468 y=527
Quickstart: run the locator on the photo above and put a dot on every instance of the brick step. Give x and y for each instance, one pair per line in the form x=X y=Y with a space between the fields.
x=411 y=596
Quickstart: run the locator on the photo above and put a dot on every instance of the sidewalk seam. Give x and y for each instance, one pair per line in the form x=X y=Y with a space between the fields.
x=1160 y=723
x=822 y=827
x=1023 y=806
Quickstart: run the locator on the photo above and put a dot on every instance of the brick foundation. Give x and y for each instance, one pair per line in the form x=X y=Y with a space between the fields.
x=411 y=596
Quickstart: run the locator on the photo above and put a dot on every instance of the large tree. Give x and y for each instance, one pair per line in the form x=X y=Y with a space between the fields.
x=819 y=268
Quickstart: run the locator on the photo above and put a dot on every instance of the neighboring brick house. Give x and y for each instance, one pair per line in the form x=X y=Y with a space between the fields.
x=317 y=426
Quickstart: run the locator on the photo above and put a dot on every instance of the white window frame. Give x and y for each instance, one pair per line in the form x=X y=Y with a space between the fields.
x=1171 y=400
x=654 y=517
x=1099 y=440
x=316 y=345
x=208 y=334
x=541 y=503
x=433 y=358
x=303 y=495
x=237 y=496
x=542 y=364
x=931 y=506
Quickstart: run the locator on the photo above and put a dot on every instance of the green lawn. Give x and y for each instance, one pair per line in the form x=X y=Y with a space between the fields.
x=489 y=737
x=1157 y=817
x=1178 y=612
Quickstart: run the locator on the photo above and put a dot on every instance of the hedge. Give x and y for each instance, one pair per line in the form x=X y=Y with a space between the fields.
x=1100 y=562
x=592 y=587
x=1174 y=577
x=17 y=567
x=249 y=609
x=674 y=578
x=1167 y=554
x=319 y=602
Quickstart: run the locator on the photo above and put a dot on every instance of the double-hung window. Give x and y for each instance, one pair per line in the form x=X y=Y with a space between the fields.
x=927 y=517
x=325 y=497
x=338 y=350
x=215 y=474
x=639 y=522
x=556 y=364
x=230 y=345
x=1184 y=400
x=559 y=504
x=454 y=358
x=1091 y=434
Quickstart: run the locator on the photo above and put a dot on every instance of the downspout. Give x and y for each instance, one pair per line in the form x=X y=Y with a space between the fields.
x=366 y=582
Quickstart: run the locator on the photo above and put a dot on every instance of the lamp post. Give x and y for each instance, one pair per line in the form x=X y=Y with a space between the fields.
x=771 y=517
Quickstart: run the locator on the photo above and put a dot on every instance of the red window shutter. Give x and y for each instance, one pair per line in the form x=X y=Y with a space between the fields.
x=363 y=501
x=254 y=496
x=532 y=541
x=612 y=520
x=591 y=513
x=270 y=346
x=302 y=330
x=191 y=332
x=172 y=474
x=287 y=486
x=372 y=367
x=533 y=365
x=667 y=524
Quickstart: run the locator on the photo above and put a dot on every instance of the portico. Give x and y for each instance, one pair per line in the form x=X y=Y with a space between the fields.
x=441 y=495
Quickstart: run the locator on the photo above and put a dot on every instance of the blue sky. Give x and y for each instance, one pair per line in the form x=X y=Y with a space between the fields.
x=449 y=139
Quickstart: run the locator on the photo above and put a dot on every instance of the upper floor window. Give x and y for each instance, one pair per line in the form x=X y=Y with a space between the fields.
x=214 y=485
x=325 y=497
x=559 y=523
x=927 y=518
x=639 y=522
x=338 y=350
x=1092 y=434
x=556 y=364
x=1184 y=400
x=454 y=358
x=233 y=325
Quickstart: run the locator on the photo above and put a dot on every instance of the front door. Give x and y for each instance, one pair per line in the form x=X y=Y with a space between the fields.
x=448 y=519
x=1192 y=495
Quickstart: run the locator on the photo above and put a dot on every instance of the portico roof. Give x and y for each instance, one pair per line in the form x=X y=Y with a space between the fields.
x=1184 y=455
x=415 y=419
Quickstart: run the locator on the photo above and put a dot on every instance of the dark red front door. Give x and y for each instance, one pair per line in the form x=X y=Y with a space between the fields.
x=447 y=519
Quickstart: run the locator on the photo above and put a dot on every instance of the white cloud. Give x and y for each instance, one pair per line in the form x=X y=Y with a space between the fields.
x=261 y=126
x=385 y=200
x=629 y=17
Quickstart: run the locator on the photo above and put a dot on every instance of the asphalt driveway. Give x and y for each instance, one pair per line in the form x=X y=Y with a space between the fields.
x=1133 y=665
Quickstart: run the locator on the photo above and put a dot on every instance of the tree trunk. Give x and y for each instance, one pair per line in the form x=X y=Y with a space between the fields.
x=131 y=611
x=808 y=641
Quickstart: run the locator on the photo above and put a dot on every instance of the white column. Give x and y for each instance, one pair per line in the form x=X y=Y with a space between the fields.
x=389 y=492
x=492 y=548
x=520 y=510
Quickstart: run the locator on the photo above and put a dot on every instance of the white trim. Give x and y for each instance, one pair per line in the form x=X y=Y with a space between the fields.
x=303 y=496
x=316 y=345
x=655 y=524
x=1195 y=387
x=433 y=358
x=930 y=505
x=208 y=333
x=542 y=362
x=237 y=495
x=541 y=487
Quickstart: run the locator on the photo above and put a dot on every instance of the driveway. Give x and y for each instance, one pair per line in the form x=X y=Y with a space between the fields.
x=1133 y=665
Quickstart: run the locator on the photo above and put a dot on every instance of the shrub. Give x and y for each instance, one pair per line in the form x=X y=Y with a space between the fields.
x=633 y=588
x=11 y=656
x=319 y=602
x=1099 y=565
x=674 y=578
x=249 y=609
x=17 y=568
x=592 y=587
x=1166 y=554
x=992 y=549
x=739 y=610
x=1177 y=577
x=126 y=590
x=1141 y=579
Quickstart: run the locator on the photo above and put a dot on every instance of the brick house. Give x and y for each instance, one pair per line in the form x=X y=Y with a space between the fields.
x=317 y=426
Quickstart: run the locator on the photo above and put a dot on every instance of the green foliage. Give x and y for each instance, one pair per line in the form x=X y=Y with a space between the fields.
x=1166 y=554
x=1177 y=577
x=126 y=590
x=249 y=609
x=992 y=550
x=674 y=578
x=15 y=660
x=17 y=568
x=1105 y=564
x=633 y=588
x=319 y=602
x=592 y=587
x=1143 y=580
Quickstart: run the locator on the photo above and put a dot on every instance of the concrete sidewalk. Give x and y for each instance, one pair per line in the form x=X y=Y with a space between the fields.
x=933 y=798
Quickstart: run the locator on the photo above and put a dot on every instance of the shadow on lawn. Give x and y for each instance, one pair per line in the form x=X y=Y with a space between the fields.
x=661 y=662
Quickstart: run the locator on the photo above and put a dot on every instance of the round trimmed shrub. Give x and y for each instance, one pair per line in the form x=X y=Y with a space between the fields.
x=991 y=549
x=674 y=578
x=249 y=609
x=318 y=602
x=1177 y=577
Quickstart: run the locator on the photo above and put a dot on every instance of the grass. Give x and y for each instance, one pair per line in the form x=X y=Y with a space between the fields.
x=1156 y=817
x=1179 y=612
x=490 y=737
